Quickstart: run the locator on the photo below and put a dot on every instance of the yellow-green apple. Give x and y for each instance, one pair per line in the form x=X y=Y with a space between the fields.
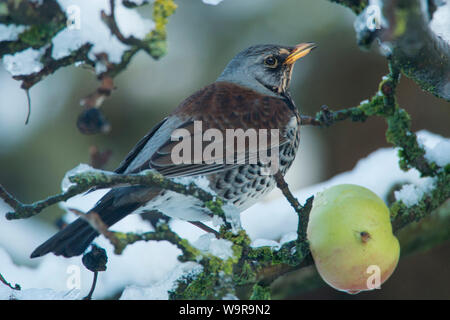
x=351 y=239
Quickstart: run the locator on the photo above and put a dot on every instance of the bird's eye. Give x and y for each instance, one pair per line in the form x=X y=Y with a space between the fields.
x=271 y=61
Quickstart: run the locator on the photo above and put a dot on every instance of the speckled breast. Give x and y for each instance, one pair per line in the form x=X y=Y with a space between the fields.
x=244 y=185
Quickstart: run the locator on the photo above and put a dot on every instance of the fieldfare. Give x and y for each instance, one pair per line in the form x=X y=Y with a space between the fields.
x=251 y=95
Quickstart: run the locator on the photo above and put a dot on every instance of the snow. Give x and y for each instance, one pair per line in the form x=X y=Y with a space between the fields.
x=137 y=265
x=179 y=206
x=212 y=2
x=217 y=221
x=37 y=294
x=410 y=194
x=93 y=30
x=220 y=248
x=11 y=32
x=24 y=62
x=138 y=2
x=290 y=236
x=371 y=18
x=440 y=22
x=82 y=202
x=159 y=291
x=265 y=243
x=200 y=182
x=440 y=154
x=233 y=217
x=436 y=150
x=81 y=168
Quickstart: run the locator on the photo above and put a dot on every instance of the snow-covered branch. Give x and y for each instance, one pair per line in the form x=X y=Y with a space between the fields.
x=39 y=37
x=83 y=181
x=415 y=36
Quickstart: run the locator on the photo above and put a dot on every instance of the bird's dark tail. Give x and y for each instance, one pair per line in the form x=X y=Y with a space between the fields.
x=74 y=239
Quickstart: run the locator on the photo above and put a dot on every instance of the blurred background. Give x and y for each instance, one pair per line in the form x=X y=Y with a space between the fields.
x=201 y=40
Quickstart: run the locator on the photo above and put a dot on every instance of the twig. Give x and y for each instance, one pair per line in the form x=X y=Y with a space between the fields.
x=97 y=224
x=98 y=159
x=110 y=21
x=121 y=240
x=94 y=283
x=16 y=287
x=282 y=185
x=29 y=105
x=9 y=198
x=87 y=180
x=204 y=227
x=399 y=133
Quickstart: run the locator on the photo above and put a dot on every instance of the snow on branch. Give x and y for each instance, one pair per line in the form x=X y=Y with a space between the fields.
x=37 y=38
x=87 y=179
x=415 y=36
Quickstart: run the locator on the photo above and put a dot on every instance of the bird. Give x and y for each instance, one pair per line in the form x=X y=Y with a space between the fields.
x=251 y=93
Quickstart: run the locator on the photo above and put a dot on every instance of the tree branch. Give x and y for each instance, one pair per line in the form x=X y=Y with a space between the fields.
x=407 y=40
x=101 y=179
x=3 y=280
x=46 y=20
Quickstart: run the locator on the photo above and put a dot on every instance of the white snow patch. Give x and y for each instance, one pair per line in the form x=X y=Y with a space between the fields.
x=220 y=248
x=94 y=31
x=437 y=149
x=10 y=32
x=179 y=206
x=81 y=202
x=411 y=194
x=265 y=243
x=159 y=291
x=230 y=296
x=212 y=2
x=217 y=221
x=37 y=294
x=440 y=154
x=440 y=22
x=81 y=168
x=199 y=181
x=290 y=236
x=136 y=266
x=24 y=62
x=233 y=217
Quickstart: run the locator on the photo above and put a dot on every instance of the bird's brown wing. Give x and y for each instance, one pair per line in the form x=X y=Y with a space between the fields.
x=218 y=106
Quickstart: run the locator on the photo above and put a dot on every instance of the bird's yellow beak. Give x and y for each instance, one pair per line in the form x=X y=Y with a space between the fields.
x=299 y=51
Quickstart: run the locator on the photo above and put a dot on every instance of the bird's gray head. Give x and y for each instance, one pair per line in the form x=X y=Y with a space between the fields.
x=265 y=68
